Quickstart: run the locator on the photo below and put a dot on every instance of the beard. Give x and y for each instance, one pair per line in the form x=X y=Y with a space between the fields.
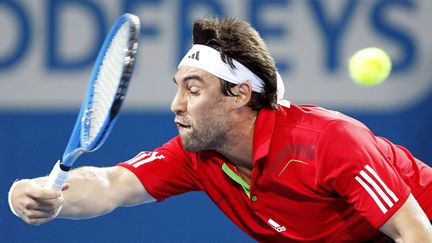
x=209 y=136
x=207 y=133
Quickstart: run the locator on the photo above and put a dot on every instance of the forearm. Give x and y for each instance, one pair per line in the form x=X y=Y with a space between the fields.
x=90 y=194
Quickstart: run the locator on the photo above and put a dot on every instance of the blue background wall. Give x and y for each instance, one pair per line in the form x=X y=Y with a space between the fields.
x=39 y=96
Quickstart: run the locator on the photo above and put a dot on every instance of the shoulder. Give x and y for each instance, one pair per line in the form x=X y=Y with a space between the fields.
x=329 y=134
x=317 y=119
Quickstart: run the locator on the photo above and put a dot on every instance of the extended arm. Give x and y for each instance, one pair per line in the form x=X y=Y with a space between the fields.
x=409 y=224
x=89 y=192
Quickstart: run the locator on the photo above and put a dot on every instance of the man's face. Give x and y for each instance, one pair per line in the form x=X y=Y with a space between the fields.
x=201 y=110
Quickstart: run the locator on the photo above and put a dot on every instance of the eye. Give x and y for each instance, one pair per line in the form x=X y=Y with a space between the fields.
x=194 y=90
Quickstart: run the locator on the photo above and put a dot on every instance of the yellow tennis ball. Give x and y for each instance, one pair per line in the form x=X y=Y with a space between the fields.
x=370 y=66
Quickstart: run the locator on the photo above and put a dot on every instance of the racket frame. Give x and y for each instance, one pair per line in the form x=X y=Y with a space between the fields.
x=76 y=145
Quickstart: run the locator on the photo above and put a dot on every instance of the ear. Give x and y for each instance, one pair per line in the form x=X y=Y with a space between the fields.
x=244 y=93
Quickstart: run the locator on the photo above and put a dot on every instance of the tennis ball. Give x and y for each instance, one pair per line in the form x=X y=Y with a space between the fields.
x=370 y=66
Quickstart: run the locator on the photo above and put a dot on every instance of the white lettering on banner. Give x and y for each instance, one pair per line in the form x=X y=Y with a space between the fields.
x=46 y=58
x=144 y=157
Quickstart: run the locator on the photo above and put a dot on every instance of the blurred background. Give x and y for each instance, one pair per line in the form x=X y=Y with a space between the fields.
x=47 y=49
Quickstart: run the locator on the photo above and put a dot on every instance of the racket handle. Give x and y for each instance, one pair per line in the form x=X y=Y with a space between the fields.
x=57 y=177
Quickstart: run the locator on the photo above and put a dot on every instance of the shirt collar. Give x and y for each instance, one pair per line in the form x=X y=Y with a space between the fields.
x=263 y=133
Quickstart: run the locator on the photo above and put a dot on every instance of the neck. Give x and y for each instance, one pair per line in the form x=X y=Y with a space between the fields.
x=238 y=148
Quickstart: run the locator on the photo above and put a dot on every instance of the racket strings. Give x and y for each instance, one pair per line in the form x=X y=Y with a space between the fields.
x=108 y=81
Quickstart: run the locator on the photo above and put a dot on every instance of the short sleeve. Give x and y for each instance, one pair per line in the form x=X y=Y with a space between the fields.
x=351 y=164
x=166 y=171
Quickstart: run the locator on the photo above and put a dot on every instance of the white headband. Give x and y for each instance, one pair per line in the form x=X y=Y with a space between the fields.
x=208 y=59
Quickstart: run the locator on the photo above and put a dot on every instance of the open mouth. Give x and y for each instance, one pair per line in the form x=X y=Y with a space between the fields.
x=182 y=125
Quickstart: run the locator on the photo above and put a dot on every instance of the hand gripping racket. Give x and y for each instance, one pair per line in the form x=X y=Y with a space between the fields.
x=105 y=94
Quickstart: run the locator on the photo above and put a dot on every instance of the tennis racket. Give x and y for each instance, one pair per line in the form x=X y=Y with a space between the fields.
x=106 y=91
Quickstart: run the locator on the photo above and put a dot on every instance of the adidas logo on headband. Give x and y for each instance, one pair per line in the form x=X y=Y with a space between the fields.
x=195 y=56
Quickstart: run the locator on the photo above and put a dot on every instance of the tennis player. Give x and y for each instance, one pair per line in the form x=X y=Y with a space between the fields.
x=281 y=172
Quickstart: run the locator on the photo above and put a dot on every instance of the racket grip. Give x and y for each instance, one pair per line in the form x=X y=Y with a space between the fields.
x=57 y=177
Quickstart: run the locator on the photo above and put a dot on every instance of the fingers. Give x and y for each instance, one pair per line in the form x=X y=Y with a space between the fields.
x=38 y=217
x=36 y=204
x=38 y=191
x=65 y=187
x=44 y=206
x=37 y=212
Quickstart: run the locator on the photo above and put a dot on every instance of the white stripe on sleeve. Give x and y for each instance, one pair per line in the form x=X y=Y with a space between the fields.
x=372 y=194
x=377 y=188
x=390 y=192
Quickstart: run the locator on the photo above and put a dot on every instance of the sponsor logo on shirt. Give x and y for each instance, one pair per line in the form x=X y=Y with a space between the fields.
x=376 y=188
x=276 y=226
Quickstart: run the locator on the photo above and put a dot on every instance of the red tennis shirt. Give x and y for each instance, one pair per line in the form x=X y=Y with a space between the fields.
x=318 y=176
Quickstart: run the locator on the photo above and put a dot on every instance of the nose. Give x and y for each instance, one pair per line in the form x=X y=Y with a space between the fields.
x=178 y=105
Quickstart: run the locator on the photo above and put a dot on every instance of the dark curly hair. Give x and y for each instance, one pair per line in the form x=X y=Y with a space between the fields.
x=236 y=39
